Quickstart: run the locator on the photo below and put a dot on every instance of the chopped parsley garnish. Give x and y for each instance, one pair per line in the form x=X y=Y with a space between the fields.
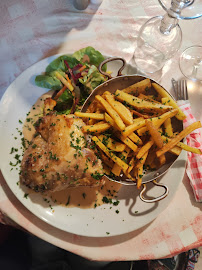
x=26 y=195
x=97 y=175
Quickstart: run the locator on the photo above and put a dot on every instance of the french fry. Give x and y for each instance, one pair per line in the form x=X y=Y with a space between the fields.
x=139 y=176
x=135 y=139
x=97 y=128
x=94 y=121
x=141 y=104
x=167 y=123
x=107 y=160
x=156 y=136
x=168 y=127
x=142 y=160
x=100 y=122
x=96 y=116
x=139 y=169
x=131 y=151
x=165 y=100
x=91 y=122
x=180 y=115
x=131 y=165
x=111 y=155
x=122 y=111
x=162 y=160
x=176 y=150
x=142 y=96
x=158 y=121
x=111 y=121
x=178 y=138
x=137 y=124
x=127 y=142
x=140 y=114
x=106 y=93
x=189 y=148
x=150 y=161
x=116 y=168
x=112 y=144
x=138 y=87
x=92 y=107
x=145 y=148
x=111 y=112
x=183 y=146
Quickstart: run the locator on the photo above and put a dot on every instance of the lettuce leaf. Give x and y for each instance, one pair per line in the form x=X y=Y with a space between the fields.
x=92 y=79
x=49 y=80
x=58 y=63
x=64 y=103
x=95 y=56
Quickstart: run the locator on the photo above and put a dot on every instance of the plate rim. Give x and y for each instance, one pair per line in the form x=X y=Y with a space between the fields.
x=10 y=186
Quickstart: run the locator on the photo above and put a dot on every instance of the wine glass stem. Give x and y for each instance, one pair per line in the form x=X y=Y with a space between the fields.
x=167 y=24
x=195 y=67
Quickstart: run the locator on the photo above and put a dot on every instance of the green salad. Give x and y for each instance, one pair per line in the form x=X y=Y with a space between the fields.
x=73 y=77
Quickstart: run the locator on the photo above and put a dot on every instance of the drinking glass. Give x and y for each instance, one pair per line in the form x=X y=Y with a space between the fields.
x=158 y=40
x=191 y=63
x=160 y=37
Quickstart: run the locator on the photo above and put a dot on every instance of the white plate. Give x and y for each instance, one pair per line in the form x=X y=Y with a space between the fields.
x=99 y=222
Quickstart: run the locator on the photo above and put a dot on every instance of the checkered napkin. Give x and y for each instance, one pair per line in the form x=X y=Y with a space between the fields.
x=194 y=161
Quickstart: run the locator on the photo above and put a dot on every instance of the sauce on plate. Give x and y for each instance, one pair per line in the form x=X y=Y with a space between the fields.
x=82 y=197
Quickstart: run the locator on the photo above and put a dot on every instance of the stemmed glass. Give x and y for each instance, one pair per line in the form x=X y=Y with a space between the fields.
x=160 y=37
x=191 y=63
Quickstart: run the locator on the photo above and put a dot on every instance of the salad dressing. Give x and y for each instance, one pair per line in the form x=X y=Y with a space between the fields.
x=82 y=197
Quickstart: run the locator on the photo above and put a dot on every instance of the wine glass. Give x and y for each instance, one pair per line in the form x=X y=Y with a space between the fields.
x=191 y=63
x=184 y=9
x=160 y=37
x=158 y=40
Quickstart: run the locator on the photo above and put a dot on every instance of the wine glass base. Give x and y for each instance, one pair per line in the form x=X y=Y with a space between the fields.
x=145 y=66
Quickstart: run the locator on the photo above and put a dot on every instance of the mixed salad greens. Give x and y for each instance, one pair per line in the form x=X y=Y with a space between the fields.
x=73 y=77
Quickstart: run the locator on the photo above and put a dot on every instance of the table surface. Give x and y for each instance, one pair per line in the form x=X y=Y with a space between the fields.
x=32 y=30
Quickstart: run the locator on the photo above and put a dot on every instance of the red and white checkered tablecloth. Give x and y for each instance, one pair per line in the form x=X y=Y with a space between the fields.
x=34 y=29
x=194 y=162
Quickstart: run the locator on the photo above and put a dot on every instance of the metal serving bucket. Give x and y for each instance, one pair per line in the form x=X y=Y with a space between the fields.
x=120 y=82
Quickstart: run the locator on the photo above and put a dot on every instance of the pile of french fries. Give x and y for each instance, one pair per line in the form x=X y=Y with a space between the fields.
x=132 y=129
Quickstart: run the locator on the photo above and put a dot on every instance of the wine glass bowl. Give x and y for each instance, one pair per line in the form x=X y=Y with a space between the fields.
x=191 y=63
x=183 y=9
x=158 y=40
x=160 y=37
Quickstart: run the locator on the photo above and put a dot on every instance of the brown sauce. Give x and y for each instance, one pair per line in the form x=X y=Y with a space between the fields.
x=82 y=197
x=86 y=197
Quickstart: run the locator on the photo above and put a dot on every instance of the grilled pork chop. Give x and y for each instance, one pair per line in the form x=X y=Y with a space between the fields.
x=58 y=158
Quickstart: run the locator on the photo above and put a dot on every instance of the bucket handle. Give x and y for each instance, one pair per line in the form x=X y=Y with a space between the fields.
x=110 y=60
x=157 y=198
